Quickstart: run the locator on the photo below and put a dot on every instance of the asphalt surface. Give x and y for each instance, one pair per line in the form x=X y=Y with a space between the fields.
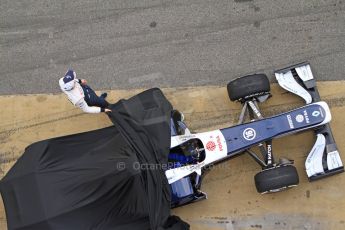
x=127 y=44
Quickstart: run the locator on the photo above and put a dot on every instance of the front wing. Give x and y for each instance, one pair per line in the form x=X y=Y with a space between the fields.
x=324 y=158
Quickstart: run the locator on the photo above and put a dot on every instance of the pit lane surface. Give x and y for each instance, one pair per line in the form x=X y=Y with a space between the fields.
x=233 y=202
x=127 y=44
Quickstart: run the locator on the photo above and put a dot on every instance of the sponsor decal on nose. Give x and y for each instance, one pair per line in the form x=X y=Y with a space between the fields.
x=249 y=134
x=211 y=146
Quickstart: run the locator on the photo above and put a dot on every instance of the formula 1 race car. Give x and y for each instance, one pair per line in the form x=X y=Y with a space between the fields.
x=191 y=153
x=130 y=174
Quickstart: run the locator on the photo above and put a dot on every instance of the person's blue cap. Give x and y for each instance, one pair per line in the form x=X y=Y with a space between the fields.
x=69 y=76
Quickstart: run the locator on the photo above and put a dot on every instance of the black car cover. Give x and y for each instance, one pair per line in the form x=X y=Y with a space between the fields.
x=111 y=178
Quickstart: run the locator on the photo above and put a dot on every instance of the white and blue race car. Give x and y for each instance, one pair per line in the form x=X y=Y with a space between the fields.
x=192 y=153
x=116 y=177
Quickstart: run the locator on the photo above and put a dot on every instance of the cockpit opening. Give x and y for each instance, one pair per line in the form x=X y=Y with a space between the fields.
x=187 y=153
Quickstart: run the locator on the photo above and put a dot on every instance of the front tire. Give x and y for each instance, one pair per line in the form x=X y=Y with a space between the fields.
x=246 y=87
x=276 y=179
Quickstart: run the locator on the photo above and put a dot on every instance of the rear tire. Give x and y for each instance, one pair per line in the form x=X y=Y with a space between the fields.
x=248 y=86
x=276 y=179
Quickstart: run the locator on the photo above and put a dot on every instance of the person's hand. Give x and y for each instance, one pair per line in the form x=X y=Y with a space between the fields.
x=83 y=82
x=107 y=110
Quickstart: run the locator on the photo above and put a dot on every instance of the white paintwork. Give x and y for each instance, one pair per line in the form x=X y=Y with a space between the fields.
x=333 y=160
x=313 y=164
x=328 y=115
x=176 y=174
x=288 y=82
x=176 y=140
x=218 y=153
x=304 y=72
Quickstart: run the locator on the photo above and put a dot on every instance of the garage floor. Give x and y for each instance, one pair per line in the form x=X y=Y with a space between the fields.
x=233 y=202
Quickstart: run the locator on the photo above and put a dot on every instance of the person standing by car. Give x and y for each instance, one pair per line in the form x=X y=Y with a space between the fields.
x=81 y=95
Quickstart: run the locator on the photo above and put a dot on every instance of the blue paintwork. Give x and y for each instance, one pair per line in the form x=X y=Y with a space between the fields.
x=183 y=160
x=269 y=128
x=183 y=191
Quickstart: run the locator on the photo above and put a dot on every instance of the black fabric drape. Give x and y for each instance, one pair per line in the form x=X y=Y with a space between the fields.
x=111 y=178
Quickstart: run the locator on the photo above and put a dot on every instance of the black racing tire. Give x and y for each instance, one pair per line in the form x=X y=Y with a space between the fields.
x=248 y=86
x=276 y=179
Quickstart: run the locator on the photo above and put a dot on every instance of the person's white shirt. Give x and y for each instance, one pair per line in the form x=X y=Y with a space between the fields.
x=75 y=94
